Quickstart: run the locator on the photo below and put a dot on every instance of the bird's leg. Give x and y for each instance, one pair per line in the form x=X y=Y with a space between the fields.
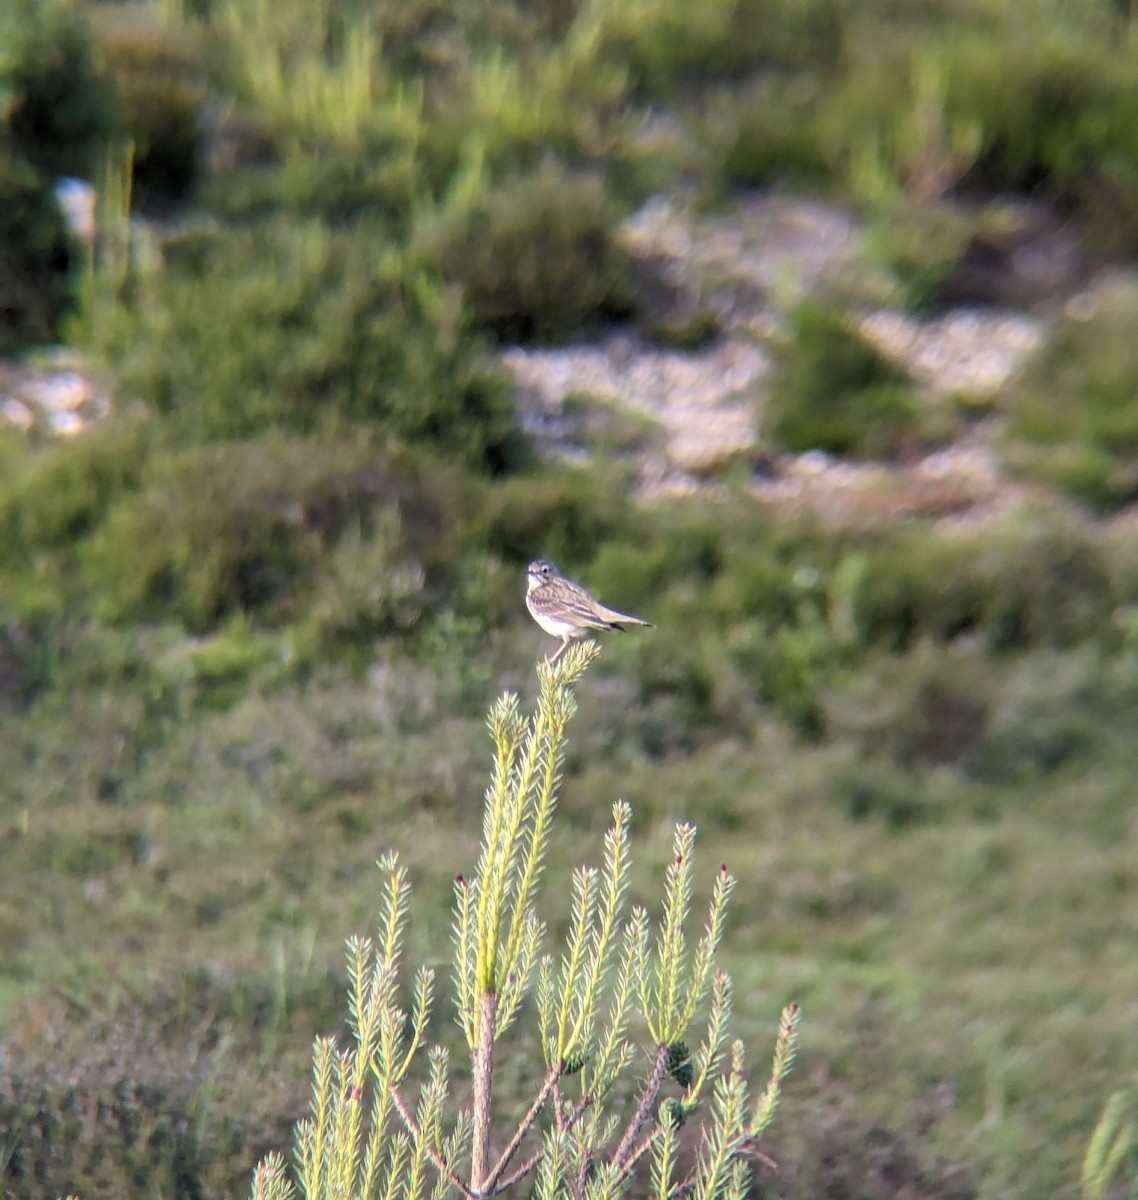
x=558 y=652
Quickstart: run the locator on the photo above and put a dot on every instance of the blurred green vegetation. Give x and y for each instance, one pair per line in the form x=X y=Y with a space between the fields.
x=250 y=626
x=55 y=115
x=836 y=392
x=1073 y=422
x=536 y=257
x=158 y=77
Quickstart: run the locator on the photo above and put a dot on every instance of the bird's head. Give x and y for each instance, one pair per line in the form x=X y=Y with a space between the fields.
x=539 y=571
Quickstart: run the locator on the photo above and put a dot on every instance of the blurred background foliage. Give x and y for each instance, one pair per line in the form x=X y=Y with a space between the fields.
x=250 y=624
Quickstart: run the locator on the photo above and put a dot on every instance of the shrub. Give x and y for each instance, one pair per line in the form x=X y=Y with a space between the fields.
x=293 y=328
x=877 y=790
x=835 y=392
x=991 y=103
x=240 y=528
x=668 y=43
x=840 y=1141
x=922 y=245
x=159 y=86
x=223 y=669
x=1030 y=583
x=615 y=976
x=928 y=709
x=923 y=724
x=921 y=101
x=26 y=646
x=62 y=491
x=752 y=597
x=556 y=513
x=56 y=117
x=1047 y=710
x=58 y=113
x=773 y=135
x=123 y=1098
x=906 y=584
x=35 y=255
x=677 y=694
x=313 y=74
x=382 y=178
x=1051 y=586
x=503 y=114
x=1072 y=421
x=792 y=666
x=370 y=588
x=1053 y=109
x=536 y=255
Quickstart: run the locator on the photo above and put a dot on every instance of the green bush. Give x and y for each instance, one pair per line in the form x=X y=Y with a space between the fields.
x=141 y=1096
x=774 y=135
x=558 y=513
x=749 y=594
x=380 y=179
x=223 y=669
x=370 y=588
x=61 y=492
x=293 y=328
x=835 y=392
x=1055 y=110
x=56 y=109
x=905 y=584
x=925 y=710
x=36 y=289
x=51 y=500
x=26 y=649
x=56 y=118
x=793 y=666
x=536 y=255
x=1001 y=721
x=1052 y=586
x=1073 y=422
x=668 y=44
x=922 y=245
x=676 y=693
x=920 y=100
x=877 y=790
x=242 y=527
x=158 y=83
x=1048 y=710
x=1030 y=583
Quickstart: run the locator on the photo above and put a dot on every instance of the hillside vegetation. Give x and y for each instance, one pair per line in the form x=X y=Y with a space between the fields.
x=252 y=621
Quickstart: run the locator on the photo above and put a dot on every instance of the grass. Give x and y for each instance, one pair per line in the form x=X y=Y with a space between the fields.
x=924 y=790
x=252 y=832
x=952 y=855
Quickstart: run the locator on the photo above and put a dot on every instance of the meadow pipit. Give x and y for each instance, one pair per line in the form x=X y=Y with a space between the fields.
x=564 y=609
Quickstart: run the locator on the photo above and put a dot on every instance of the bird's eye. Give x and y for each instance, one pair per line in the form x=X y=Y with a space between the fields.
x=545 y=570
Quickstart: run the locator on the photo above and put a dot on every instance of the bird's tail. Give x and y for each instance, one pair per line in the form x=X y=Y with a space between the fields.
x=617 y=619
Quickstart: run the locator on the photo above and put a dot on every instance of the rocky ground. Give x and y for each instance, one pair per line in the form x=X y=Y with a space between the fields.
x=699 y=411
x=58 y=395
x=680 y=393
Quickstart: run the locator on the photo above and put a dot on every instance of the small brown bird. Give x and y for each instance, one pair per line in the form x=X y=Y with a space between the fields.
x=565 y=610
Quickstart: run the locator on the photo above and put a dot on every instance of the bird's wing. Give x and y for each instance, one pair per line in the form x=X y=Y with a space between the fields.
x=570 y=605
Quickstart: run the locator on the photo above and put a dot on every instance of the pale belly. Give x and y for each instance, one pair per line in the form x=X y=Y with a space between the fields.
x=556 y=628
